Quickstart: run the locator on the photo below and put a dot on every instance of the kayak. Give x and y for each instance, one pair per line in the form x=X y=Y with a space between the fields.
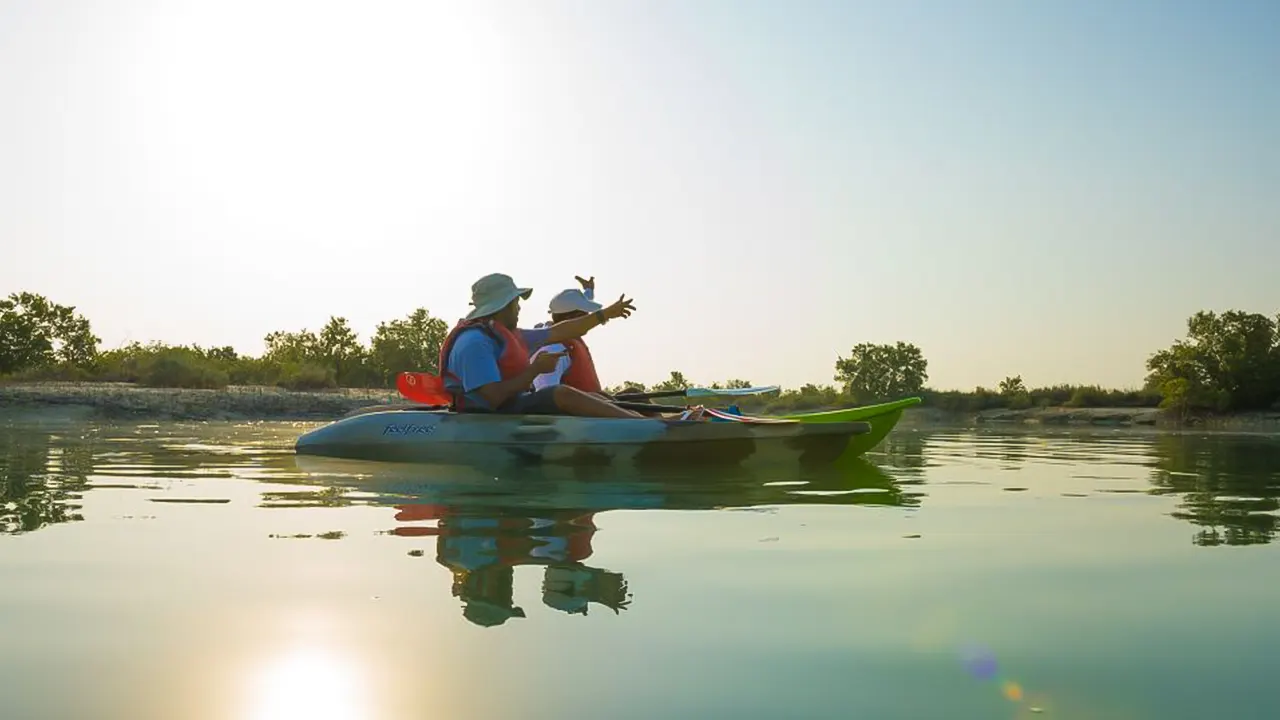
x=881 y=417
x=415 y=434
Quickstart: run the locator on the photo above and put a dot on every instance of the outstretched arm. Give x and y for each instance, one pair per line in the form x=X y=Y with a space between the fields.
x=577 y=327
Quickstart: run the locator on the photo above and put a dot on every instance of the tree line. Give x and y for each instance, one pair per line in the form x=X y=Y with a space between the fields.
x=41 y=340
x=1227 y=362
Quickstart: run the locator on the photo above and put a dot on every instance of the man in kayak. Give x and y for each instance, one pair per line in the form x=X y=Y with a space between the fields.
x=575 y=367
x=485 y=361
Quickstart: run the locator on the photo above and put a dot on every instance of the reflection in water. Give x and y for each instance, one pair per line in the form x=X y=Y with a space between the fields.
x=1230 y=488
x=482 y=547
x=904 y=449
x=486 y=527
x=41 y=479
x=307 y=682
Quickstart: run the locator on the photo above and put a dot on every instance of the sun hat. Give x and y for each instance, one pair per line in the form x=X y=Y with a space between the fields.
x=493 y=292
x=571 y=301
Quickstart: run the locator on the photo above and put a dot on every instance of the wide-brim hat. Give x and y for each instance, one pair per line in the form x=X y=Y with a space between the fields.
x=572 y=300
x=493 y=292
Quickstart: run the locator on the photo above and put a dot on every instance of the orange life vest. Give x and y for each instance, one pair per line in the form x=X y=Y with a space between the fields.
x=512 y=360
x=582 y=369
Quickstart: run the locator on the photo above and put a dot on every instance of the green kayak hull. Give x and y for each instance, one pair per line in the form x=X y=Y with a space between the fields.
x=881 y=417
x=418 y=435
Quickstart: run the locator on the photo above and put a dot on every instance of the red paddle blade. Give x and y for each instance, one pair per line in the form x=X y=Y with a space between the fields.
x=424 y=388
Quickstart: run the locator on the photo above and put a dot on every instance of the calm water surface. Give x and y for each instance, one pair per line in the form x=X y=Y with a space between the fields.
x=202 y=571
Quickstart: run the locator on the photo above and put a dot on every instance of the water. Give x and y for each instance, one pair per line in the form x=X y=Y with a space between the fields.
x=201 y=571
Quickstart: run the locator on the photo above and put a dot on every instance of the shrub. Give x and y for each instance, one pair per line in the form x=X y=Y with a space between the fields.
x=306 y=376
x=181 y=368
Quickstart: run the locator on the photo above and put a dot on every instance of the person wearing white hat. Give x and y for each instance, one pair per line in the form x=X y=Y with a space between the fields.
x=485 y=361
x=575 y=368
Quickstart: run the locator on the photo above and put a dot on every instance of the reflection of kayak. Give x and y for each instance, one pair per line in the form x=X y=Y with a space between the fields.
x=881 y=417
x=439 y=436
x=439 y=490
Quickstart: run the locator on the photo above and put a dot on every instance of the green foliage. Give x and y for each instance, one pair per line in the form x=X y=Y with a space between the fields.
x=1012 y=385
x=675 y=382
x=882 y=372
x=183 y=368
x=306 y=376
x=36 y=333
x=411 y=344
x=1227 y=362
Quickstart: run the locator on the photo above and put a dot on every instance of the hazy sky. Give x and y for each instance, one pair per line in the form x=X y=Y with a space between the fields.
x=1044 y=188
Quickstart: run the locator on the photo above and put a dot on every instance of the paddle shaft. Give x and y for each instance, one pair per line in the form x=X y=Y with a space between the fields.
x=696 y=392
x=642 y=407
x=647 y=395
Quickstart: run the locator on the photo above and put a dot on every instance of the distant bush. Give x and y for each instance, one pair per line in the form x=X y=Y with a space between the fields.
x=306 y=377
x=62 y=372
x=181 y=368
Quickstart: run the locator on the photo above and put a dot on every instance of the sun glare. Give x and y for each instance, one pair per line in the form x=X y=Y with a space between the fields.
x=311 y=683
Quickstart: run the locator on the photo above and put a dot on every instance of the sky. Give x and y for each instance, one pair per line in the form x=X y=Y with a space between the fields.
x=1044 y=188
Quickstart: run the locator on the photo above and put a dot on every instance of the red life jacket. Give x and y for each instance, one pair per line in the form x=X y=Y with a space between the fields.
x=513 y=360
x=582 y=369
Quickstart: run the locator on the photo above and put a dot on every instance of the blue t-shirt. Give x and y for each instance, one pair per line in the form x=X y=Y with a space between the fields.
x=474 y=360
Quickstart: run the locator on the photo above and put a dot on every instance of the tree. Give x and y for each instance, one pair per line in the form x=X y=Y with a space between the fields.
x=1015 y=393
x=35 y=332
x=1227 y=362
x=675 y=382
x=292 y=347
x=410 y=344
x=1012 y=386
x=340 y=349
x=880 y=372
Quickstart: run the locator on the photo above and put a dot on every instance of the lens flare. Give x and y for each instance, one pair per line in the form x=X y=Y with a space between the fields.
x=979 y=661
x=1013 y=691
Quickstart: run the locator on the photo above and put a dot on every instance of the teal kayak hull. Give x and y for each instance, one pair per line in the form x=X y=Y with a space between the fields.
x=443 y=437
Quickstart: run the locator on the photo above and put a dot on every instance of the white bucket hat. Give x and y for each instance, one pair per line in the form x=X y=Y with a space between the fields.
x=493 y=292
x=572 y=300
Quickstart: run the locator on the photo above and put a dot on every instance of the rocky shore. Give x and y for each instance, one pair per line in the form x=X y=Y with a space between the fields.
x=127 y=401
x=124 y=400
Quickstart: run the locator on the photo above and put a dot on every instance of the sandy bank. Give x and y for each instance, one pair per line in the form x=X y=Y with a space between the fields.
x=123 y=400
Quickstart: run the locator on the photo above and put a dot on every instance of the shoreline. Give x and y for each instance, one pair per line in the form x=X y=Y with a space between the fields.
x=112 y=401
x=106 y=400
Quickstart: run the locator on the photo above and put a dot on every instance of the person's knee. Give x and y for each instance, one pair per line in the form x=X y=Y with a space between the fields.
x=564 y=395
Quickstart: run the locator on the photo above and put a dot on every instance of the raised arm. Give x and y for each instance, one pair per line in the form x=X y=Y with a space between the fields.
x=577 y=327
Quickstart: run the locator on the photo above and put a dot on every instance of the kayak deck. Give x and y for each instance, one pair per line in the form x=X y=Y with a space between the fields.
x=441 y=436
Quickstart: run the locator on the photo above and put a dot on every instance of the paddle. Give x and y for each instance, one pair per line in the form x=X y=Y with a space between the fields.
x=423 y=388
x=700 y=392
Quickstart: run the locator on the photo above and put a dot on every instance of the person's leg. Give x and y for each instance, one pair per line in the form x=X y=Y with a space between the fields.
x=564 y=400
x=573 y=401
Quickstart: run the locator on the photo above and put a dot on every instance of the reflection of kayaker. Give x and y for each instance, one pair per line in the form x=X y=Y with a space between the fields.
x=483 y=550
x=570 y=588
